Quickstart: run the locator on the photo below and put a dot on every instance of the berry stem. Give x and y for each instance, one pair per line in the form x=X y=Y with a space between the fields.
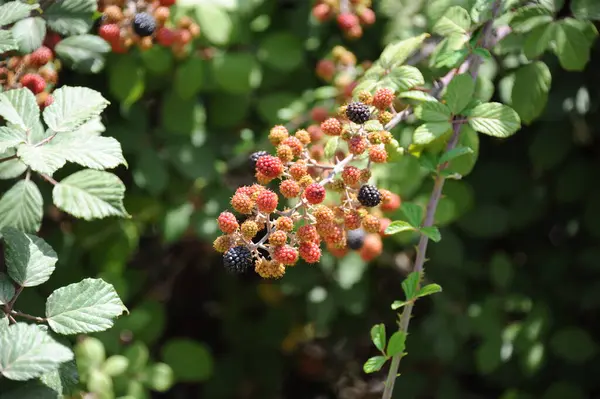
x=472 y=64
x=8 y=158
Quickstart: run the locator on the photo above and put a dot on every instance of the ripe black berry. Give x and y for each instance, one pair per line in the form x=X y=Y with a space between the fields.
x=355 y=239
x=144 y=24
x=254 y=157
x=237 y=259
x=369 y=196
x=358 y=112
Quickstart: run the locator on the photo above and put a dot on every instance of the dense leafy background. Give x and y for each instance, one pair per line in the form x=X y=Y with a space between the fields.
x=518 y=263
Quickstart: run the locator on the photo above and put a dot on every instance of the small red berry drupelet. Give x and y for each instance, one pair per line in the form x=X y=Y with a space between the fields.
x=331 y=127
x=33 y=82
x=286 y=255
x=41 y=56
x=383 y=98
x=315 y=193
x=310 y=252
x=269 y=166
x=289 y=189
x=267 y=201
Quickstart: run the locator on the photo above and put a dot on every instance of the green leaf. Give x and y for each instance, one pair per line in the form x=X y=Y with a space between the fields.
x=398 y=226
x=71 y=17
x=417 y=95
x=90 y=354
x=215 y=23
x=126 y=79
x=529 y=17
x=11 y=137
x=158 y=60
x=11 y=168
x=190 y=360
x=530 y=90
x=63 y=381
x=454 y=153
x=282 y=51
x=433 y=112
x=459 y=92
x=14 y=11
x=574 y=40
x=41 y=159
x=398 y=304
x=91 y=151
x=374 y=364
x=7 y=41
x=72 y=107
x=378 y=336
x=404 y=77
x=150 y=172
x=397 y=53
x=27 y=351
x=428 y=132
x=373 y=126
x=189 y=77
x=494 y=119
x=538 y=40
x=138 y=356
x=84 y=307
x=29 y=34
x=410 y=285
x=21 y=207
x=429 y=289
x=236 y=73
x=83 y=53
x=397 y=343
x=432 y=232
x=585 y=9
x=30 y=261
x=7 y=289
x=160 y=377
x=413 y=213
x=90 y=194
x=456 y=20
x=330 y=147
x=574 y=345
x=19 y=107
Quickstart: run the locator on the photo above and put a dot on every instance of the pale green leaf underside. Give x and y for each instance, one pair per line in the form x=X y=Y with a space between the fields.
x=27 y=351
x=14 y=11
x=7 y=41
x=72 y=107
x=455 y=21
x=10 y=137
x=41 y=159
x=91 y=151
x=29 y=259
x=21 y=207
x=84 y=307
x=20 y=108
x=91 y=194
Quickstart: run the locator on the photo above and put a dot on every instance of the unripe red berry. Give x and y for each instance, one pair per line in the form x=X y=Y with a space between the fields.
x=278 y=238
x=167 y=3
x=321 y=12
x=289 y=188
x=352 y=220
x=314 y=193
x=222 y=243
x=331 y=127
x=337 y=252
x=319 y=114
x=317 y=152
x=51 y=40
x=242 y=203
x=165 y=36
x=305 y=181
x=286 y=255
x=269 y=166
x=357 y=145
x=262 y=179
x=367 y=16
x=389 y=201
x=377 y=154
x=48 y=101
x=295 y=144
x=227 y=222
x=41 y=56
x=351 y=175
x=285 y=153
x=269 y=269
x=315 y=132
x=267 y=201
x=371 y=248
x=303 y=136
x=323 y=214
x=310 y=252
x=110 y=32
x=325 y=70
x=371 y=224
x=298 y=170
x=385 y=222
x=277 y=134
x=33 y=82
x=383 y=98
x=355 y=32
x=347 y=21
x=308 y=233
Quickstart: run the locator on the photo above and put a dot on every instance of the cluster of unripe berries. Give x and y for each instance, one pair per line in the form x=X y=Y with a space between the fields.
x=350 y=15
x=37 y=71
x=126 y=23
x=334 y=203
x=340 y=68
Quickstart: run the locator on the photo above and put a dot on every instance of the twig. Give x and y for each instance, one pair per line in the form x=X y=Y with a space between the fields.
x=472 y=64
x=28 y=316
x=49 y=179
x=8 y=158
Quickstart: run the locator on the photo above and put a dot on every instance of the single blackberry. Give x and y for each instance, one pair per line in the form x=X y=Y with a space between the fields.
x=358 y=112
x=369 y=196
x=237 y=259
x=254 y=157
x=355 y=239
x=144 y=24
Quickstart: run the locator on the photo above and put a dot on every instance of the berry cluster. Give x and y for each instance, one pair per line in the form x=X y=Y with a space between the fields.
x=330 y=202
x=351 y=15
x=341 y=69
x=37 y=71
x=143 y=23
